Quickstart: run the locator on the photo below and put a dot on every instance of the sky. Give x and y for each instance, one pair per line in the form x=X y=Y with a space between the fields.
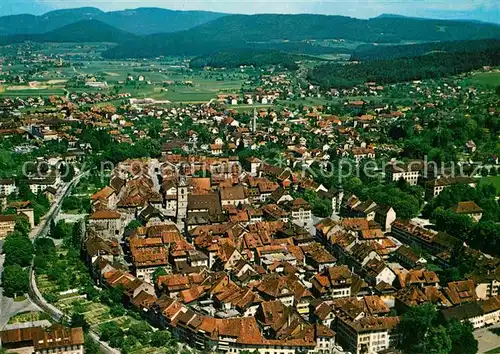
x=483 y=10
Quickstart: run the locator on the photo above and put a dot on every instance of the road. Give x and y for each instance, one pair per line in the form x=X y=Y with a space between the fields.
x=34 y=295
x=9 y=307
x=487 y=339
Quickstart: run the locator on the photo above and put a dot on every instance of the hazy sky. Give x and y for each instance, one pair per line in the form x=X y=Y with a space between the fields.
x=485 y=10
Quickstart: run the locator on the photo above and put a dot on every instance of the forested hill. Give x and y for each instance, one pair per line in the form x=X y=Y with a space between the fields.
x=249 y=31
x=247 y=57
x=83 y=31
x=399 y=70
x=137 y=21
x=377 y=52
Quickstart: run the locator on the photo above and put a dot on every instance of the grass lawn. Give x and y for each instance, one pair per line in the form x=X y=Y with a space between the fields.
x=490 y=79
x=493 y=351
x=494 y=180
x=29 y=317
x=20 y=298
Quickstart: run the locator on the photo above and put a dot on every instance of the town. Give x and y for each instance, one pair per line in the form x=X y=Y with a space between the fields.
x=145 y=213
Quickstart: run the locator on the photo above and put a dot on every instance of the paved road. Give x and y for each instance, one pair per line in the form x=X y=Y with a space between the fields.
x=8 y=307
x=487 y=339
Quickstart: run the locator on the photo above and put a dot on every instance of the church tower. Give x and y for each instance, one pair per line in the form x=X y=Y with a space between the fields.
x=182 y=199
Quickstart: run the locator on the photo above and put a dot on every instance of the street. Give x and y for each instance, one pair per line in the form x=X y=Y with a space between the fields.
x=9 y=307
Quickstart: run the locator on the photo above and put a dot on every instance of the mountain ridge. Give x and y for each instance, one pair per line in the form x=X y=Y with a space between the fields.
x=247 y=31
x=82 y=31
x=146 y=20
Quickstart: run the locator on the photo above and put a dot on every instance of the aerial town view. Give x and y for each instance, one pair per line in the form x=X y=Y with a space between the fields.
x=249 y=177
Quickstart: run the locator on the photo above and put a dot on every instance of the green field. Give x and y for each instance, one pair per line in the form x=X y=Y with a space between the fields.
x=169 y=79
x=494 y=180
x=490 y=79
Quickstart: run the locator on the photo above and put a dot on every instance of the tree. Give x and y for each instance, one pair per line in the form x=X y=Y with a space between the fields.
x=414 y=326
x=160 y=338
x=77 y=235
x=67 y=172
x=22 y=226
x=15 y=280
x=78 y=320
x=140 y=330
x=437 y=340
x=134 y=224
x=91 y=346
x=111 y=330
x=62 y=230
x=462 y=337
x=112 y=296
x=18 y=250
x=158 y=273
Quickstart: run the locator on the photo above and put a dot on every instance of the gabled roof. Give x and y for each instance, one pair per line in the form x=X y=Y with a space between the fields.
x=469 y=207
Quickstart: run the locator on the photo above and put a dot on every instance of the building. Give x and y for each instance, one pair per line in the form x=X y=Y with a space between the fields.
x=7 y=187
x=410 y=172
x=39 y=185
x=435 y=187
x=366 y=334
x=7 y=225
x=469 y=208
x=106 y=222
x=385 y=216
x=335 y=282
x=235 y=195
x=479 y=313
x=300 y=211
x=39 y=340
x=432 y=241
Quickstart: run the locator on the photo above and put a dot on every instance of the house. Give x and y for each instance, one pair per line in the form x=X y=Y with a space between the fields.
x=40 y=340
x=7 y=225
x=480 y=313
x=416 y=296
x=235 y=195
x=7 y=187
x=39 y=185
x=460 y=292
x=366 y=334
x=410 y=172
x=469 y=208
x=429 y=240
x=408 y=257
x=470 y=147
x=106 y=198
x=318 y=257
x=335 y=282
x=435 y=187
x=418 y=277
x=385 y=216
x=300 y=211
x=107 y=222
x=377 y=272
x=487 y=284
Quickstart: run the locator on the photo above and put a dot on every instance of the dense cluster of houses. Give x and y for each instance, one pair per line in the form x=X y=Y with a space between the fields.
x=229 y=255
x=235 y=261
